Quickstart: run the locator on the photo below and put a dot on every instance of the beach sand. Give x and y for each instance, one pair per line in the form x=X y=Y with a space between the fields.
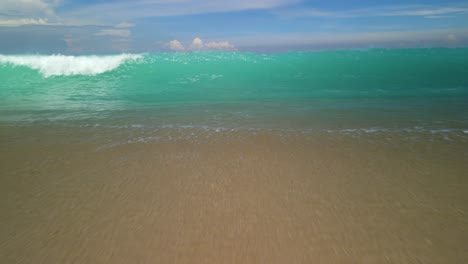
x=79 y=196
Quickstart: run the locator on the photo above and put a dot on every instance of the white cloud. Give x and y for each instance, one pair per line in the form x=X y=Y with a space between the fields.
x=23 y=21
x=175 y=45
x=197 y=44
x=221 y=45
x=120 y=30
x=26 y=12
x=114 y=32
x=27 y=7
x=303 y=12
x=124 y=25
x=388 y=11
x=426 y=11
x=130 y=10
x=437 y=17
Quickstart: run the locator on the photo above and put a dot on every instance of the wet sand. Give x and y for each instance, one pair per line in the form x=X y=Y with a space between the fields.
x=71 y=196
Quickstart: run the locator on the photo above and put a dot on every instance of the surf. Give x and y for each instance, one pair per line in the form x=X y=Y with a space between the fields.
x=62 y=65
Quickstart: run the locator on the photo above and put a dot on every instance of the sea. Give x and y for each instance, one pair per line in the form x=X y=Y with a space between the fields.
x=346 y=91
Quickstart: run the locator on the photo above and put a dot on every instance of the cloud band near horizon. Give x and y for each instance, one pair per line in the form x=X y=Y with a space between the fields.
x=271 y=25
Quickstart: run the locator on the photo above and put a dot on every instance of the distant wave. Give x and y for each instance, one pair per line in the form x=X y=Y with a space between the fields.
x=56 y=65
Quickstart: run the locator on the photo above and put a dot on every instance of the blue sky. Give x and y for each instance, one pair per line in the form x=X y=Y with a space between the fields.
x=103 y=26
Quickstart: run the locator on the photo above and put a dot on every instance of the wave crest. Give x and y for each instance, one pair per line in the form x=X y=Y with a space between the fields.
x=56 y=65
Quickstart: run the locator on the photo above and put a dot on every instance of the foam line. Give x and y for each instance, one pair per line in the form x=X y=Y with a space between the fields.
x=57 y=65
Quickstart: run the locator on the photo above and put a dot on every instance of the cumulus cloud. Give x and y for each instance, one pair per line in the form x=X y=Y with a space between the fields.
x=114 y=33
x=175 y=45
x=198 y=44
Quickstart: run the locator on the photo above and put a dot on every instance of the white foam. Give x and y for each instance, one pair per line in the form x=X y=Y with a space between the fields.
x=56 y=65
x=437 y=131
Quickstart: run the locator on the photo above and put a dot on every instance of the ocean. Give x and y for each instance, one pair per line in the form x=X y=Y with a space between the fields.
x=370 y=90
x=338 y=156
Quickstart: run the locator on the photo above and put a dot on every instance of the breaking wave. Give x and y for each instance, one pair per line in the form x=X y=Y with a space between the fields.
x=56 y=65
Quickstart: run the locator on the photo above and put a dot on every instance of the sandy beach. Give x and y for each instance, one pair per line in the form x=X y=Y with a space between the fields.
x=233 y=197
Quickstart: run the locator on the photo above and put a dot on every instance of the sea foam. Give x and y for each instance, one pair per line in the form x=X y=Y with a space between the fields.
x=56 y=65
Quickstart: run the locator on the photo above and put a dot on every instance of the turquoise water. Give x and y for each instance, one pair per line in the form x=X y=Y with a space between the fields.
x=366 y=90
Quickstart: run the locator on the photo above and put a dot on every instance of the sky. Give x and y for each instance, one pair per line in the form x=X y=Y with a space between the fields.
x=137 y=26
